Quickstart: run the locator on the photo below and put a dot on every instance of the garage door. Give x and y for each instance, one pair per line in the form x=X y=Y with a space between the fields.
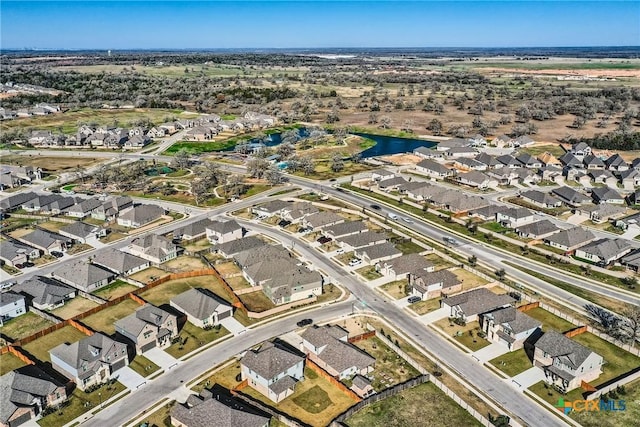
x=119 y=364
x=149 y=346
x=21 y=419
x=224 y=315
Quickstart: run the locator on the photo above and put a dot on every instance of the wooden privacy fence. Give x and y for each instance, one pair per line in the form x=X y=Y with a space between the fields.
x=529 y=306
x=324 y=374
x=362 y=336
x=575 y=331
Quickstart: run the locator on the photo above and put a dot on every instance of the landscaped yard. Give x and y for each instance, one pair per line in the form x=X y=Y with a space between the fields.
x=512 y=363
x=550 y=395
x=114 y=290
x=25 y=325
x=9 y=362
x=423 y=405
x=616 y=360
x=40 y=347
x=426 y=306
x=78 y=247
x=468 y=279
x=390 y=368
x=193 y=338
x=256 y=301
x=466 y=335
x=185 y=263
x=550 y=321
x=369 y=272
x=396 y=289
x=149 y=275
x=628 y=417
x=104 y=319
x=329 y=293
x=74 y=307
x=163 y=293
x=345 y=258
x=79 y=403
x=143 y=366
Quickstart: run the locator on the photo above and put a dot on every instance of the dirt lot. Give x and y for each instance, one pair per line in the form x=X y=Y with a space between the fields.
x=468 y=279
x=185 y=263
x=74 y=307
x=227 y=268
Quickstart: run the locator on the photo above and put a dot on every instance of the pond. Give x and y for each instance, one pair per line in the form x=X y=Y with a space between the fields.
x=385 y=145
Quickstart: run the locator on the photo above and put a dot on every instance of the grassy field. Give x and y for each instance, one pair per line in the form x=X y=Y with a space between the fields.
x=390 y=368
x=616 y=360
x=238 y=282
x=25 y=325
x=402 y=410
x=426 y=306
x=396 y=289
x=200 y=147
x=148 y=275
x=9 y=362
x=512 y=363
x=104 y=319
x=185 y=263
x=438 y=262
x=74 y=307
x=80 y=402
x=193 y=338
x=227 y=268
x=50 y=164
x=143 y=366
x=163 y=293
x=550 y=321
x=466 y=335
x=114 y=290
x=40 y=347
x=628 y=417
x=256 y=301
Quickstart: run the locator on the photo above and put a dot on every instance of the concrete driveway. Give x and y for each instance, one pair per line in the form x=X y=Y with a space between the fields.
x=161 y=358
x=436 y=315
x=235 y=327
x=576 y=219
x=490 y=352
x=130 y=378
x=526 y=379
x=631 y=232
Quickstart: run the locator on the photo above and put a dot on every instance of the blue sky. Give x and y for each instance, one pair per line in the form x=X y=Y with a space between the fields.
x=279 y=24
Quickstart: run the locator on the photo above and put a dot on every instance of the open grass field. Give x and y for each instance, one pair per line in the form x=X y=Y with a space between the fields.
x=466 y=335
x=9 y=362
x=51 y=164
x=104 y=319
x=52 y=225
x=148 y=275
x=74 y=307
x=23 y=326
x=628 y=417
x=143 y=366
x=81 y=402
x=390 y=369
x=396 y=289
x=402 y=410
x=200 y=147
x=163 y=293
x=616 y=361
x=40 y=347
x=426 y=306
x=195 y=70
x=512 y=363
x=550 y=321
x=114 y=290
x=256 y=301
x=185 y=263
x=193 y=338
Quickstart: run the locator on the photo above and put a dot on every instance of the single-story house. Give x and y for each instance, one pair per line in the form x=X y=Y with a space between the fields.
x=84 y=275
x=45 y=240
x=140 y=215
x=83 y=209
x=233 y=247
x=80 y=231
x=344 y=229
x=121 y=263
x=381 y=174
x=322 y=219
x=400 y=267
x=391 y=184
x=433 y=169
x=515 y=217
x=377 y=253
x=602 y=213
x=570 y=196
x=274 y=207
x=359 y=240
x=606 y=195
x=537 y=230
x=538 y=198
x=12 y=252
x=571 y=239
x=604 y=251
x=154 y=248
x=202 y=307
x=469 y=305
x=476 y=179
x=45 y=293
x=432 y=284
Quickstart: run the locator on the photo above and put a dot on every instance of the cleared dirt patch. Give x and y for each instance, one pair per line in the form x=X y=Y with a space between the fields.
x=51 y=164
x=74 y=307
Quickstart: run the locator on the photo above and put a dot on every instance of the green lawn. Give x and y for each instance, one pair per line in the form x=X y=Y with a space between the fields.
x=9 y=362
x=616 y=360
x=143 y=366
x=407 y=247
x=193 y=338
x=104 y=319
x=114 y=290
x=40 y=347
x=512 y=363
x=466 y=335
x=550 y=321
x=25 y=325
x=369 y=272
x=314 y=400
x=199 y=147
x=81 y=402
x=628 y=417
x=423 y=405
x=396 y=289
x=550 y=395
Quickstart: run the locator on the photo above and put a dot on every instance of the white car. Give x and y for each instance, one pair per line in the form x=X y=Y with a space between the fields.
x=340 y=251
x=407 y=220
x=355 y=262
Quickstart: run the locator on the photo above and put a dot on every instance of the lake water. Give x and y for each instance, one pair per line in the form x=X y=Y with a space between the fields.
x=385 y=145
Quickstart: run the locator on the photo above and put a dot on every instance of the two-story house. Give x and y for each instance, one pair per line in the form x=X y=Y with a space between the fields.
x=223 y=231
x=12 y=305
x=509 y=326
x=148 y=327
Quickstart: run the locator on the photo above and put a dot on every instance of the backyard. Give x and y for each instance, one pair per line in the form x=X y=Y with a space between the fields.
x=468 y=279
x=114 y=290
x=74 y=307
x=193 y=337
x=402 y=410
x=104 y=319
x=40 y=347
x=185 y=263
x=512 y=363
x=148 y=275
x=256 y=301
x=25 y=325
x=390 y=368
x=9 y=362
x=628 y=417
x=396 y=289
x=616 y=360
x=549 y=320
x=466 y=335
x=163 y=293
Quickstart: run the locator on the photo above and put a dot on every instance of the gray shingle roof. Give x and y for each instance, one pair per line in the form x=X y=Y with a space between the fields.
x=605 y=193
x=571 y=237
x=362 y=239
x=80 y=229
x=538 y=228
x=434 y=166
x=570 y=195
x=118 y=261
x=478 y=301
x=199 y=303
x=322 y=219
x=513 y=319
x=85 y=206
x=409 y=263
x=147 y=314
x=193 y=229
x=214 y=413
x=44 y=290
x=338 y=354
x=235 y=246
x=43 y=238
x=270 y=360
x=569 y=351
x=607 y=248
x=89 y=352
x=261 y=253
x=224 y=227
x=347 y=227
x=10 y=298
x=447 y=278
x=82 y=273
x=391 y=182
x=540 y=197
x=20 y=387
x=142 y=214
x=16 y=200
x=380 y=250
x=10 y=249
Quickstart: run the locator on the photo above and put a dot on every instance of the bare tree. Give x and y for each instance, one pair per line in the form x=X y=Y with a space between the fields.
x=181 y=159
x=257 y=167
x=385 y=122
x=337 y=164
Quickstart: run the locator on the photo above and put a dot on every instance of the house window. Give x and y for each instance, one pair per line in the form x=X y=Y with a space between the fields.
x=147 y=334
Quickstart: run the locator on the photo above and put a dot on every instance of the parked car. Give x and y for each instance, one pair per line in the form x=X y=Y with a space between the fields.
x=304 y=322
x=354 y=262
x=322 y=240
x=28 y=264
x=376 y=207
x=283 y=223
x=414 y=299
x=57 y=254
x=304 y=230
x=393 y=216
x=18 y=266
x=340 y=251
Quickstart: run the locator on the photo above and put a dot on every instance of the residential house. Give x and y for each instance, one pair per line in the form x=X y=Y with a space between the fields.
x=204 y=412
x=432 y=284
x=15 y=253
x=81 y=232
x=515 y=217
x=136 y=141
x=509 y=161
x=423 y=191
x=296 y=211
x=433 y=169
x=630 y=179
x=489 y=160
x=193 y=230
x=90 y=361
x=269 y=209
x=111 y=208
x=593 y=163
x=537 y=230
x=632 y=261
x=526 y=176
x=509 y=326
x=569 y=160
x=428 y=153
x=272 y=370
x=523 y=141
x=45 y=240
x=476 y=179
x=35 y=204
x=570 y=197
x=616 y=163
x=566 y=363
x=344 y=229
x=261 y=253
x=328 y=347
x=203 y=308
x=400 y=267
x=571 y=239
x=157 y=132
x=138 y=216
x=551 y=173
x=580 y=149
x=603 y=177
x=460 y=204
x=234 y=247
x=469 y=305
x=321 y=219
x=169 y=128
x=602 y=213
x=83 y=209
x=606 y=195
x=449 y=144
x=604 y=251
x=59 y=206
x=200 y=133
x=358 y=240
x=154 y=248
x=528 y=161
x=26 y=393
x=549 y=159
x=84 y=275
x=44 y=293
x=362 y=386
x=634 y=197
x=16 y=200
x=381 y=175
x=467 y=164
x=149 y=327
x=457 y=152
x=391 y=184
x=121 y=263
x=12 y=305
x=538 y=198
x=223 y=231
x=376 y=253
x=502 y=141
x=478 y=141
x=504 y=176
x=486 y=213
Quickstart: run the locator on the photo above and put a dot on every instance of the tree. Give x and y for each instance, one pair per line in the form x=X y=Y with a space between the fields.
x=630 y=324
x=473 y=260
x=285 y=150
x=435 y=127
x=373 y=119
x=235 y=186
x=273 y=175
x=333 y=116
x=501 y=274
x=199 y=190
x=337 y=164
x=306 y=165
x=257 y=167
x=385 y=122
x=181 y=159
x=407 y=126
